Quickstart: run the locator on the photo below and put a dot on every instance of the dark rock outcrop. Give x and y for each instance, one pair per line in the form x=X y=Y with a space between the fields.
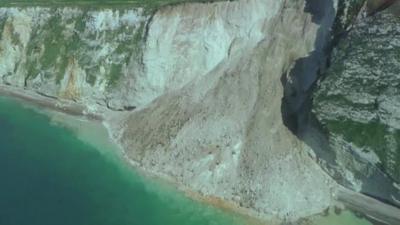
x=358 y=105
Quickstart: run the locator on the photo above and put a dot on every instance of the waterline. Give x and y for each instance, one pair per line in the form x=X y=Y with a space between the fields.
x=51 y=177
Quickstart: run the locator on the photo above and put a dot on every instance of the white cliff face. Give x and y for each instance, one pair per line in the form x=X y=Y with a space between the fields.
x=63 y=50
x=206 y=82
x=190 y=40
x=215 y=124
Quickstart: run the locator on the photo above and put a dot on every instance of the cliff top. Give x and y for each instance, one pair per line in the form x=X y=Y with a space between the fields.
x=149 y=4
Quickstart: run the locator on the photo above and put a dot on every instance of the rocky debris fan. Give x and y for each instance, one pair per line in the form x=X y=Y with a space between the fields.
x=203 y=83
x=218 y=128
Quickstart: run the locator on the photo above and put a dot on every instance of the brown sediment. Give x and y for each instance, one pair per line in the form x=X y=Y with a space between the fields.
x=71 y=90
x=68 y=107
x=230 y=207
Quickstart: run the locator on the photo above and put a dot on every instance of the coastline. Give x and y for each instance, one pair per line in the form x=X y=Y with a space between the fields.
x=68 y=111
x=249 y=215
x=58 y=105
x=62 y=112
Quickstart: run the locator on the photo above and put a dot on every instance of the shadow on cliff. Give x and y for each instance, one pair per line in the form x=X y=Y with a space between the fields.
x=296 y=105
x=297 y=102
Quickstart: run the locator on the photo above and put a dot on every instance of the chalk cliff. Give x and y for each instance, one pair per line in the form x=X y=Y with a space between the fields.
x=218 y=127
x=195 y=90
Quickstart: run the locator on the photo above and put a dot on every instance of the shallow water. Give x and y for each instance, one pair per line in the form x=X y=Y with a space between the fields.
x=49 y=177
x=64 y=171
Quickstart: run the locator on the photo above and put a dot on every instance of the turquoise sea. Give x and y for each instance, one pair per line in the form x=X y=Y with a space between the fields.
x=50 y=177
x=52 y=174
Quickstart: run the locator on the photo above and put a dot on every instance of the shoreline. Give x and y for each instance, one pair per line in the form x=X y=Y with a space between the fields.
x=52 y=106
x=58 y=105
x=246 y=214
x=372 y=208
x=230 y=207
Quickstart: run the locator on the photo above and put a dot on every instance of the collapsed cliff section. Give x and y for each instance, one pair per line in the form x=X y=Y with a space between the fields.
x=357 y=105
x=201 y=88
x=215 y=125
x=199 y=85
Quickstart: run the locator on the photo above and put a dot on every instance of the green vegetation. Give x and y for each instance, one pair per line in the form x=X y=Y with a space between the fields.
x=114 y=74
x=370 y=135
x=374 y=136
x=54 y=44
x=361 y=82
x=50 y=50
x=147 y=4
x=54 y=47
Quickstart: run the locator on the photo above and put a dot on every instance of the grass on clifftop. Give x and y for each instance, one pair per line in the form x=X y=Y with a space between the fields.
x=149 y=4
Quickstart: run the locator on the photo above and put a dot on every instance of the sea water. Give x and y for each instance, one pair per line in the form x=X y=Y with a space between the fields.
x=59 y=170
x=50 y=177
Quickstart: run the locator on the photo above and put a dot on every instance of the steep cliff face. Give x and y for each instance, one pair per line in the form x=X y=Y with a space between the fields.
x=71 y=53
x=203 y=85
x=358 y=105
x=218 y=129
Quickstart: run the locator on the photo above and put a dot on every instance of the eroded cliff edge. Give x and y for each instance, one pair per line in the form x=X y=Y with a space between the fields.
x=199 y=86
x=222 y=133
